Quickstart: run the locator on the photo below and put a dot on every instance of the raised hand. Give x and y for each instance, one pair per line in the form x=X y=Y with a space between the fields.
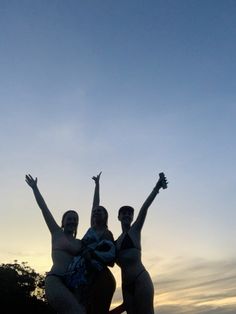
x=31 y=181
x=162 y=182
x=97 y=178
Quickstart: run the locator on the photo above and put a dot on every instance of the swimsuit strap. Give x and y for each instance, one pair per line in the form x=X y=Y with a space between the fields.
x=127 y=243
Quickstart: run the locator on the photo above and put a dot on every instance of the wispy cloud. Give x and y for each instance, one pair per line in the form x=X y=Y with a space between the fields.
x=196 y=286
x=188 y=309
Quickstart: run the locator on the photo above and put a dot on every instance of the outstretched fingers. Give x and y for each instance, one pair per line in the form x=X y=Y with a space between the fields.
x=30 y=180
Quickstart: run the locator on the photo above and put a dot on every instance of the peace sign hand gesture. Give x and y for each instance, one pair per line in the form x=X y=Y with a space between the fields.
x=97 y=178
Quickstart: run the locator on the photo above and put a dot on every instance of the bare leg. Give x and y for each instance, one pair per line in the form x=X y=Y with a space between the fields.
x=138 y=295
x=101 y=293
x=61 y=298
x=128 y=297
x=144 y=293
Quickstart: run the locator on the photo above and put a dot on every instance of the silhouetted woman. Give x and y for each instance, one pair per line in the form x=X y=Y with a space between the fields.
x=137 y=286
x=64 y=247
x=103 y=284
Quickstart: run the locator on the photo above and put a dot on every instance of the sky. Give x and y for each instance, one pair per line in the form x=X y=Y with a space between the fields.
x=130 y=88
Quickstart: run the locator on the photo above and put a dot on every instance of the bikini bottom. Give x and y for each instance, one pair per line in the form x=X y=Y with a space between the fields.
x=81 y=292
x=130 y=287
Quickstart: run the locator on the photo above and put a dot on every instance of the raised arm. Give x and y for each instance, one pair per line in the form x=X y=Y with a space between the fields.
x=161 y=183
x=50 y=221
x=96 y=197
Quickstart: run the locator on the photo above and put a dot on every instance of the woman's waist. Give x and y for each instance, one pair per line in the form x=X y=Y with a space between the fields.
x=130 y=272
x=128 y=257
x=61 y=261
x=61 y=258
x=131 y=268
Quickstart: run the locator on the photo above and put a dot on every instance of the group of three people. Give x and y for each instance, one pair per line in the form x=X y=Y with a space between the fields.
x=80 y=281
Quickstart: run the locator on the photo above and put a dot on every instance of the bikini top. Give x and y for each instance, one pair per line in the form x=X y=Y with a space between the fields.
x=63 y=244
x=127 y=243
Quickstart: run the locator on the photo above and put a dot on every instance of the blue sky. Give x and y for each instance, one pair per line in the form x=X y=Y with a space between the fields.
x=131 y=88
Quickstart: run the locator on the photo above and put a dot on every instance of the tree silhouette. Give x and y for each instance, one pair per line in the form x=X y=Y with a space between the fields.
x=22 y=289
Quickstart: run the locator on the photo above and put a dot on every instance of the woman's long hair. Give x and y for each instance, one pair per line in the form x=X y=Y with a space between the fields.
x=106 y=216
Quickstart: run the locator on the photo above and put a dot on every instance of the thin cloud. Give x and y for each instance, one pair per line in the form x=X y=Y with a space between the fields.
x=179 y=309
x=197 y=286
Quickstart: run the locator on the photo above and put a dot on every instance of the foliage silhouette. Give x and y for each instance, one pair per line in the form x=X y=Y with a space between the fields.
x=22 y=290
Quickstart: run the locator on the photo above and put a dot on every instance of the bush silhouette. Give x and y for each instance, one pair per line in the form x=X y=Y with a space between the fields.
x=22 y=289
